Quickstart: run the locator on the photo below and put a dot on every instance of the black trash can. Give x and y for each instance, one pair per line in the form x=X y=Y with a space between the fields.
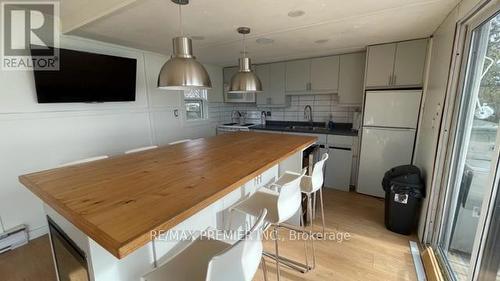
x=404 y=189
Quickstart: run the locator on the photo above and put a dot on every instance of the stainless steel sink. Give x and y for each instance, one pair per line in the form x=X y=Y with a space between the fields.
x=307 y=128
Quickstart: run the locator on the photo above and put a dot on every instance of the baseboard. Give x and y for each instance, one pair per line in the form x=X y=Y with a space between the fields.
x=37 y=232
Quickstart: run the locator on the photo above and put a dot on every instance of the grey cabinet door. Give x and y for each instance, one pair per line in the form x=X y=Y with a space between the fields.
x=325 y=75
x=277 y=84
x=298 y=76
x=216 y=94
x=380 y=65
x=262 y=71
x=410 y=62
x=352 y=70
x=228 y=73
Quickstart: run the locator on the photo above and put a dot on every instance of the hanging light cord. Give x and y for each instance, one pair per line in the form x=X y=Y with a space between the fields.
x=180 y=20
x=244 y=47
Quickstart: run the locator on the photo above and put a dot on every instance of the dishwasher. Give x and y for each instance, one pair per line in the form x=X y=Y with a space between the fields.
x=338 y=167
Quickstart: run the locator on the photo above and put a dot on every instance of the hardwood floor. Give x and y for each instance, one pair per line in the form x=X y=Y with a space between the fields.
x=32 y=262
x=372 y=253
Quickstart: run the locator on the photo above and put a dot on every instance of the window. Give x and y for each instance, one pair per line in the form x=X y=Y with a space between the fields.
x=195 y=101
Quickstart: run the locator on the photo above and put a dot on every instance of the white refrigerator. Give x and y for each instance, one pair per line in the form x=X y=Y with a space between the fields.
x=390 y=121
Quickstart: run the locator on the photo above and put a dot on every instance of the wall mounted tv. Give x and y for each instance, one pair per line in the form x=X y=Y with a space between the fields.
x=86 y=77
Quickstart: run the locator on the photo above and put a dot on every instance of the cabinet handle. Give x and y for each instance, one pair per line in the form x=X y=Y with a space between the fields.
x=394 y=79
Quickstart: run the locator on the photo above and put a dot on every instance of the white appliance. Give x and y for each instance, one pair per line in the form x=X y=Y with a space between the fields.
x=388 y=135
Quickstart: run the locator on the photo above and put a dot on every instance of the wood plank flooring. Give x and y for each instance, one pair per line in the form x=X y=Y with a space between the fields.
x=32 y=262
x=373 y=253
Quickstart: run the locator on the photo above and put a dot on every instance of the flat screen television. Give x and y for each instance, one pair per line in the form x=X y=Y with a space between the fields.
x=86 y=77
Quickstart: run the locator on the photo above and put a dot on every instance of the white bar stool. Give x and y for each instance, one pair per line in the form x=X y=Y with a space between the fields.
x=207 y=259
x=311 y=185
x=281 y=204
x=179 y=141
x=81 y=161
x=139 y=149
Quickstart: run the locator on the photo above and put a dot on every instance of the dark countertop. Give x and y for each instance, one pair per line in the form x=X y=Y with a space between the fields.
x=344 y=129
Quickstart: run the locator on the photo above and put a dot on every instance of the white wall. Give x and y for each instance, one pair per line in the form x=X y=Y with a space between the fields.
x=434 y=95
x=40 y=136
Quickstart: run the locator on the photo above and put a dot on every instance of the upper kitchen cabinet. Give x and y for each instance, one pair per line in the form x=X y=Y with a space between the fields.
x=262 y=72
x=229 y=72
x=324 y=75
x=409 y=63
x=396 y=65
x=298 y=74
x=216 y=94
x=312 y=76
x=380 y=66
x=277 y=84
x=351 y=75
x=272 y=77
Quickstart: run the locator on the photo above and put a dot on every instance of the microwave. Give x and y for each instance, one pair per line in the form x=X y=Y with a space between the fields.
x=238 y=97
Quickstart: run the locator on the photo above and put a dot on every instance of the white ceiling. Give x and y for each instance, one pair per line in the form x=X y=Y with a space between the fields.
x=348 y=25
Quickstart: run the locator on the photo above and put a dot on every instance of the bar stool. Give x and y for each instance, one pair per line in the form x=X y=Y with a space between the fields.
x=207 y=259
x=310 y=186
x=179 y=141
x=139 y=149
x=81 y=161
x=282 y=203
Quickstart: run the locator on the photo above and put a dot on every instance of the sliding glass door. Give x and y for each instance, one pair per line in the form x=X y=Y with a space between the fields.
x=489 y=269
x=473 y=165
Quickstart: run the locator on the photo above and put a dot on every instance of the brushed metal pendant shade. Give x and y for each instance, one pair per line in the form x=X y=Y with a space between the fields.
x=245 y=80
x=182 y=71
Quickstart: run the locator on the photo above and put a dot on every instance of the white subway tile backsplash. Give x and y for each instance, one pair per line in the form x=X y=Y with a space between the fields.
x=324 y=107
x=306 y=98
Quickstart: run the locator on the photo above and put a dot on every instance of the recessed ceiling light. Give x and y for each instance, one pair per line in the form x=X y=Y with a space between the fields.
x=321 y=41
x=196 y=37
x=296 y=13
x=264 y=41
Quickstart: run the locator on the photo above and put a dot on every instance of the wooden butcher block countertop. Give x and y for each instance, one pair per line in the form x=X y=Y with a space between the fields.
x=118 y=201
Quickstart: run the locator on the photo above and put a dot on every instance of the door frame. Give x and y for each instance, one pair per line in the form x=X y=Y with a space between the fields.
x=446 y=154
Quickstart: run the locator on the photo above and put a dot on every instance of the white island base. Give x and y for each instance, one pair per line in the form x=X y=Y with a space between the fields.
x=103 y=266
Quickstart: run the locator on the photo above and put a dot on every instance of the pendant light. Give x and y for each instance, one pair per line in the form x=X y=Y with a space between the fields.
x=245 y=80
x=182 y=71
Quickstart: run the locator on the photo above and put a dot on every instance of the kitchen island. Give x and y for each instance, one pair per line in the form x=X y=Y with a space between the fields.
x=110 y=208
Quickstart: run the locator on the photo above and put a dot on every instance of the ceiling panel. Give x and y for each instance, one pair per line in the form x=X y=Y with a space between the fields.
x=346 y=25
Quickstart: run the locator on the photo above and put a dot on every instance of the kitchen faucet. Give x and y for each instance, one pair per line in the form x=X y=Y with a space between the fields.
x=263 y=117
x=308 y=114
x=235 y=116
